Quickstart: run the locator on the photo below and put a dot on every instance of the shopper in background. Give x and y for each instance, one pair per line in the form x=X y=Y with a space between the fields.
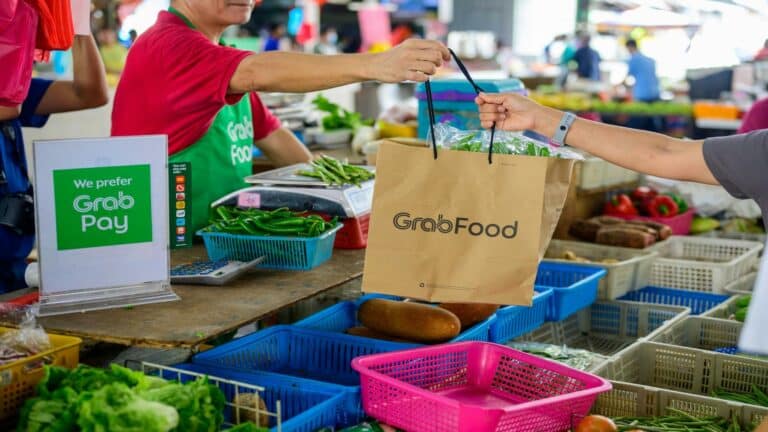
x=587 y=60
x=328 y=44
x=88 y=89
x=553 y=52
x=736 y=162
x=763 y=53
x=756 y=118
x=276 y=33
x=645 y=87
x=180 y=82
x=112 y=53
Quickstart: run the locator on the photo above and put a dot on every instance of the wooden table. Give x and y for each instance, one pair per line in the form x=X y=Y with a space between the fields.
x=204 y=312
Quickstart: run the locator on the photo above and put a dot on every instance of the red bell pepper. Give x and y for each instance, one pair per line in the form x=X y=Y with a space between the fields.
x=663 y=206
x=644 y=193
x=620 y=205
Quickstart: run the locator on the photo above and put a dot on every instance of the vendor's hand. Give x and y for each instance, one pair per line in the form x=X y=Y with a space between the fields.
x=509 y=111
x=413 y=60
x=81 y=17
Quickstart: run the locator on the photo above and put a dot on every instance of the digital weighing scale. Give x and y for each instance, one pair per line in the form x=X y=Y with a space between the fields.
x=282 y=187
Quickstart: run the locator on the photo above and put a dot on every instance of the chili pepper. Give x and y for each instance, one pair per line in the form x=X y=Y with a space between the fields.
x=662 y=206
x=620 y=205
x=682 y=205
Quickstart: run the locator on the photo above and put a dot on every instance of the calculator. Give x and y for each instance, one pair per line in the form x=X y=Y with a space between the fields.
x=211 y=272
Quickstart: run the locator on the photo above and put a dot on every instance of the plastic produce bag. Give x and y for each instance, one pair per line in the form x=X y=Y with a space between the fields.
x=56 y=30
x=17 y=46
x=510 y=143
x=575 y=358
x=28 y=340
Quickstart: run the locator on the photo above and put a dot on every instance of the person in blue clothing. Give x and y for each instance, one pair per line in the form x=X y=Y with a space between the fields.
x=87 y=89
x=645 y=88
x=276 y=32
x=587 y=60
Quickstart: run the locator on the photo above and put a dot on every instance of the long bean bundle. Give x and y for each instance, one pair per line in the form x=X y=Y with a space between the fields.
x=280 y=222
x=337 y=173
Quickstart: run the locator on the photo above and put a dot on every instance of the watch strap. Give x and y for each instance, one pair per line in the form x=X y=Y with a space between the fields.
x=562 y=129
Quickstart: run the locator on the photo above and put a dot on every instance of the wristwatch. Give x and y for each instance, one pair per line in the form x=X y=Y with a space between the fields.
x=566 y=121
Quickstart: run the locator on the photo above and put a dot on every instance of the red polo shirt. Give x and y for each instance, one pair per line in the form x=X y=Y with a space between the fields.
x=175 y=82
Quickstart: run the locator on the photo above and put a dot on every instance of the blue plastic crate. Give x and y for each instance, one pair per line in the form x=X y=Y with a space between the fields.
x=341 y=316
x=574 y=287
x=298 y=352
x=282 y=253
x=305 y=405
x=514 y=321
x=454 y=101
x=699 y=302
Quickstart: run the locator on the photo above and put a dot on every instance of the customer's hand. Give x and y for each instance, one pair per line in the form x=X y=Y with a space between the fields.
x=413 y=60
x=509 y=111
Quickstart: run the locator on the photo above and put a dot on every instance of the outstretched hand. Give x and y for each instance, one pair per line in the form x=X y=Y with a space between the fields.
x=509 y=111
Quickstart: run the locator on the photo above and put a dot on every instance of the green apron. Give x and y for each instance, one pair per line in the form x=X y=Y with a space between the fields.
x=220 y=160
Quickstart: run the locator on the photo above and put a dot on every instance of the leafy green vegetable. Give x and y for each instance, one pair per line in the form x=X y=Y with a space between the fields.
x=337 y=117
x=120 y=400
x=510 y=146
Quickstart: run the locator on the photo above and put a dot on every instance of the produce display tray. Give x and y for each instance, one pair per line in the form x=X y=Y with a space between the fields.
x=573 y=287
x=743 y=285
x=634 y=400
x=687 y=370
x=513 y=321
x=698 y=302
x=474 y=386
x=282 y=253
x=302 y=405
x=702 y=264
x=298 y=352
x=724 y=310
x=680 y=224
x=633 y=270
x=19 y=378
x=341 y=316
x=701 y=332
x=608 y=327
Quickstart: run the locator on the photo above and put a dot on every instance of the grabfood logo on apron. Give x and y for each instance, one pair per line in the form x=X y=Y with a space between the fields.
x=102 y=206
x=241 y=135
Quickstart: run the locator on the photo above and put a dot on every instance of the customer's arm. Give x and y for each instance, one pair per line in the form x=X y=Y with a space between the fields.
x=282 y=148
x=413 y=60
x=88 y=88
x=646 y=152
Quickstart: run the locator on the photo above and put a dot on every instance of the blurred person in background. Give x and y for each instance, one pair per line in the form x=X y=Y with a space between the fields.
x=587 y=60
x=645 y=88
x=763 y=53
x=553 y=52
x=328 y=44
x=112 y=53
x=276 y=34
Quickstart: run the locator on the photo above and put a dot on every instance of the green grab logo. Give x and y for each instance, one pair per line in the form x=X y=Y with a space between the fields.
x=102 y=206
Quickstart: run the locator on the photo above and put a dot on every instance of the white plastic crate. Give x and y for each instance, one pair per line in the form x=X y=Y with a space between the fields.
x=634 y=400
x=633 y=271
x=702 y=264
x=704 y=333
x=596 y=174
x=743 y=285
x=607 y=327
x=686 y=370
x=725 y=310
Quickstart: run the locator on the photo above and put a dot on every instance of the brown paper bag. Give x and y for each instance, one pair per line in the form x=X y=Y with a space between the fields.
x=458 y=229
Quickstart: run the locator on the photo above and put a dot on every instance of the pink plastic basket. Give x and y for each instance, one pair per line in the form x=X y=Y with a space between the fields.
x=472 y=387
x=680 y=224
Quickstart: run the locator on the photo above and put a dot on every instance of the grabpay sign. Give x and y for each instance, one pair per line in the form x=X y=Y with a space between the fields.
x=102 y=206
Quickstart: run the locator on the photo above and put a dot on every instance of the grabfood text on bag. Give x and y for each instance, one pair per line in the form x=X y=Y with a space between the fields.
x=403 y=221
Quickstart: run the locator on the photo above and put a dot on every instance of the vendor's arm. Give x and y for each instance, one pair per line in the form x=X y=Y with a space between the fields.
x=283 y=148
x=641 y=151
x=413 y=60
x=88 y=89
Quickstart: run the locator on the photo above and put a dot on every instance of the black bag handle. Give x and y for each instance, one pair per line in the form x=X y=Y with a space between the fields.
x=431 y=107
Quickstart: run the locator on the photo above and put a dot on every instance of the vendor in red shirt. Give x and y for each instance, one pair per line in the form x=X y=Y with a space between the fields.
x=179 y=81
